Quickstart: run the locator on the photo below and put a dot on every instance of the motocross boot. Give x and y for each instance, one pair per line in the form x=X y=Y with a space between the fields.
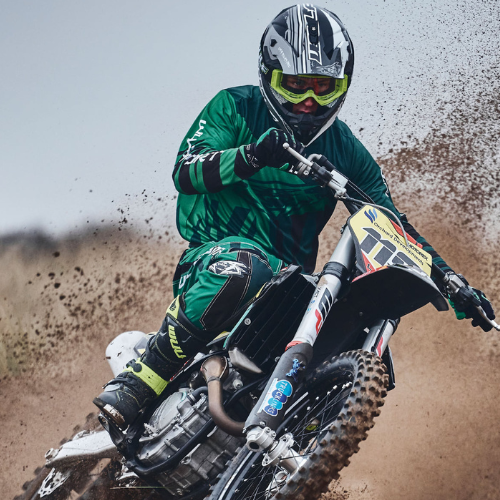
x=144 y=379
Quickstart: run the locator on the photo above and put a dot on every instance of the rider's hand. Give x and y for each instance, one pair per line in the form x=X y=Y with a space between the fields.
x=268 y=151
x=464 y=301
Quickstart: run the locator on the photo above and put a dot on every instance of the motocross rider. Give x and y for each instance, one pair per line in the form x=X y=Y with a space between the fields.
x=245 y=217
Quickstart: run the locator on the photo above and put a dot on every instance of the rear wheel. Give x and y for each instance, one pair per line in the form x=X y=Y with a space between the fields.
x=85 y=480
x=338 y=404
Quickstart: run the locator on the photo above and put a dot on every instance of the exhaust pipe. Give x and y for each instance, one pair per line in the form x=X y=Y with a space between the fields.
x=214 y=371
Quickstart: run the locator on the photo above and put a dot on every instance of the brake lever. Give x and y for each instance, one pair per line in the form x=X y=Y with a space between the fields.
x=453 y=284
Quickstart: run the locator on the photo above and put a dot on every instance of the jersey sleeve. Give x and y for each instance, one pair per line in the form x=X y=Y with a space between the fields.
x=211 y=155
x=368 y=176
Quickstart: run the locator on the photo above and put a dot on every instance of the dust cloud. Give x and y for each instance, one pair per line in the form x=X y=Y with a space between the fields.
x=438 y=437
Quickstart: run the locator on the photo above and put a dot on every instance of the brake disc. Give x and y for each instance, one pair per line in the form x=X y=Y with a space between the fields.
x=52 y=482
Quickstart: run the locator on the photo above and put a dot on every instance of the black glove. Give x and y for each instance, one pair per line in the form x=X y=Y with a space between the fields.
x=464 y=301
x=268 y=151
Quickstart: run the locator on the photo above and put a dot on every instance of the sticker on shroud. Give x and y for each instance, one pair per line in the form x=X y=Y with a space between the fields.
x=276 y=397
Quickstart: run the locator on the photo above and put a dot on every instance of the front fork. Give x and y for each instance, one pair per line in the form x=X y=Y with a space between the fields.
x=269 y=412
x=377 y=341
x=378 y=336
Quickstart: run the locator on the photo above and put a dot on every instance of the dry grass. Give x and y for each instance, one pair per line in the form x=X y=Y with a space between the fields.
x=56 y=295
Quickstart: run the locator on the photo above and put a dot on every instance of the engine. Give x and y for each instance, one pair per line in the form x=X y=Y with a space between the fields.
x=171 y=426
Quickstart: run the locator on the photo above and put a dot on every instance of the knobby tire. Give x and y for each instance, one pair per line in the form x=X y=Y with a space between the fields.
x=344 y=417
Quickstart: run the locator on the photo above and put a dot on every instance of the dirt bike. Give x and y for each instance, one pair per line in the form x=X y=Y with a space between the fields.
x=275 y=407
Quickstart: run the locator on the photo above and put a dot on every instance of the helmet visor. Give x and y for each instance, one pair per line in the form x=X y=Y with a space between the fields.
x=297 y=88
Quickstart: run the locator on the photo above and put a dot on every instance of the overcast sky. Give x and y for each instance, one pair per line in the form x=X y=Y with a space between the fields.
x=96 y=95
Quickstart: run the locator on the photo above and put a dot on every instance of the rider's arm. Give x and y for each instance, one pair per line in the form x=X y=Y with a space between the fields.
x=367 y=174
x=211 y=156
x=436 y=258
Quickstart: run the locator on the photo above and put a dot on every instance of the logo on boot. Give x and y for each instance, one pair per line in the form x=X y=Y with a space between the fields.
x=174 y=343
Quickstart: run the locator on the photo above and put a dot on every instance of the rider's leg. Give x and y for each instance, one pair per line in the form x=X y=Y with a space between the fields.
x=215 y=283
x=145 y=378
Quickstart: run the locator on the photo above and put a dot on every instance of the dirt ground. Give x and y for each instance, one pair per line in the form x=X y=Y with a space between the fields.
x=438 y=436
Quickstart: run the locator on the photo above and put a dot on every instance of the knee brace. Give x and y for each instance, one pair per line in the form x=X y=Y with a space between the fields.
x=244 y=276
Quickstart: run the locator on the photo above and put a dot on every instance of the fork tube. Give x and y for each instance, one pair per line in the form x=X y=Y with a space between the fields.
x=379 y=335
x=268 y=413
x=326 y=292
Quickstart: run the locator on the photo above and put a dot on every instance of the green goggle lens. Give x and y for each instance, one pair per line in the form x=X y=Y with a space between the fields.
x=297 y=88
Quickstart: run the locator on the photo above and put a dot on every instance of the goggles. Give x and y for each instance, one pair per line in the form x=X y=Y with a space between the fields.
x=297 y=88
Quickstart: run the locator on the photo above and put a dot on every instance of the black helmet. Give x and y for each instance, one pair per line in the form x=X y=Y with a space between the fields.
x=312 y=42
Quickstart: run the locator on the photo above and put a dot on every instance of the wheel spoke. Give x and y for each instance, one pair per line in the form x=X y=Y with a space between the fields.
x=258 y=481
x=320 y=423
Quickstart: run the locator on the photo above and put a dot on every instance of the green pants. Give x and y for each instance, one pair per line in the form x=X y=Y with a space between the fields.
x=218 y=278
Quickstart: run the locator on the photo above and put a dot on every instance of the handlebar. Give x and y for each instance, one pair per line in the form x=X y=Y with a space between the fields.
x=327 y=175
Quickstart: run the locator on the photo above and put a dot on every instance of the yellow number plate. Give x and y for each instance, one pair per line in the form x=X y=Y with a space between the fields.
x=379 y=244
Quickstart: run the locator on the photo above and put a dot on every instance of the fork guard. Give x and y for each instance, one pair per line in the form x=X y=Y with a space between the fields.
x=280 y=389
x=388 y=293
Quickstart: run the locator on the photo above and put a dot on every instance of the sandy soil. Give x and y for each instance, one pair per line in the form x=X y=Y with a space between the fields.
x=438 y=435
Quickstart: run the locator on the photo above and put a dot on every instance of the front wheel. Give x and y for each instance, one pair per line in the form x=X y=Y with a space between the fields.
x=333 y=413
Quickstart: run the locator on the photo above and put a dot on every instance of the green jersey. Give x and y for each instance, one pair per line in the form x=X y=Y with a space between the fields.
x=221 y=195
